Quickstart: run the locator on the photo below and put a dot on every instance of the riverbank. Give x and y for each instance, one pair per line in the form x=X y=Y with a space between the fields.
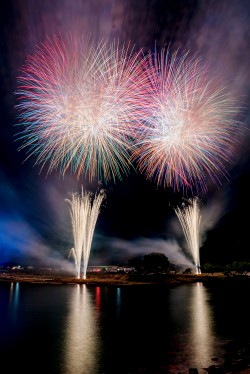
x=119 y=278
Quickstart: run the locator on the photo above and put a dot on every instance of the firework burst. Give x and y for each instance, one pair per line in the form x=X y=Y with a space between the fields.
x=189 y=130
x=78 y=106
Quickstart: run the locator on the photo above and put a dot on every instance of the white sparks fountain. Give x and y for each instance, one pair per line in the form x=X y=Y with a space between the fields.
x=190 y=218
x=84 y=212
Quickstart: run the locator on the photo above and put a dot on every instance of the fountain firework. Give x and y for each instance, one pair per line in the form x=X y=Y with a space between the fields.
x=188 y=129
x=84 y=212
x=189 y=217
x=78 y=106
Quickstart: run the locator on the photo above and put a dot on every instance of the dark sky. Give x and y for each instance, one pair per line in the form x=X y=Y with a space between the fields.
x=137 y=217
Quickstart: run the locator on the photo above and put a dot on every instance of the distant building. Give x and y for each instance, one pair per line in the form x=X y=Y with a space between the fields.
x=110 y=269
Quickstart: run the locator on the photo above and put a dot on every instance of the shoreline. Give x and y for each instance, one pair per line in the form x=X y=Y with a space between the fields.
x=118 y=279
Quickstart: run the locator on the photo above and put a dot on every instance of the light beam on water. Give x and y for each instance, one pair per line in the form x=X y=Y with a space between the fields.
x=81 y=340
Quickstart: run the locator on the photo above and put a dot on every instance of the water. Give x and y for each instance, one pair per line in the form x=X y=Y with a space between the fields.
x=79 y=329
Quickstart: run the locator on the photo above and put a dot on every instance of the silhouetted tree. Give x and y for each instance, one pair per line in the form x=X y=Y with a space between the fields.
x=211 y=268
x=156 y=263
x=136 y=262
x=188 y=271
x=237 y=268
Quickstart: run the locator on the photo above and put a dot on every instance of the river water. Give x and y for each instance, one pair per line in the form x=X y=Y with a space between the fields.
x=83 y=329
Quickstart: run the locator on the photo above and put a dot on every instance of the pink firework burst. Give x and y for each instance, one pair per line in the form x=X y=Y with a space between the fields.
x=78 y=106
x=189 y=129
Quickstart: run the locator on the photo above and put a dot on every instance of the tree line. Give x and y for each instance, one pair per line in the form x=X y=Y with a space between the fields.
x=158 y=263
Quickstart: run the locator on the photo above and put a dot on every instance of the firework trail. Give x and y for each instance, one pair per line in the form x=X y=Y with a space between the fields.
x=189 y=132
x=84 y=212
x=189 y=217
x=78 y=106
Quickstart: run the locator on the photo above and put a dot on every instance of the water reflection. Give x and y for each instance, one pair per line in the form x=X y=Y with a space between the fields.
x=14 y=294
x=14 y=299
x=87 y=329
x=194 y=338
x=202 y=336
x=118 y=302
x=81 y=344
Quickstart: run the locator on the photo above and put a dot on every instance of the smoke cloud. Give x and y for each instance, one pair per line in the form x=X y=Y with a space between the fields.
x=108 y=250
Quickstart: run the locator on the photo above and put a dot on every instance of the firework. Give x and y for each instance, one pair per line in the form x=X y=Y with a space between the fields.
x=189 y=217
x=189 y=130
x=78 y=106
x=84 y=212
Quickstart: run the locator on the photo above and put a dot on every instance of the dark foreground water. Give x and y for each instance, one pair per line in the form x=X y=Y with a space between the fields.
x=73 y=329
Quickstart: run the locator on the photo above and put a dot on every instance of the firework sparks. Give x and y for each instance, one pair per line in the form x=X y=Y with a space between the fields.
x=189 y=130
x=84 y=212
x=190 y=218
x=78 y=106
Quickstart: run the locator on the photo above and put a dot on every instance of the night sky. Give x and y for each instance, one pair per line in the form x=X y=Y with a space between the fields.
x=137 y=216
